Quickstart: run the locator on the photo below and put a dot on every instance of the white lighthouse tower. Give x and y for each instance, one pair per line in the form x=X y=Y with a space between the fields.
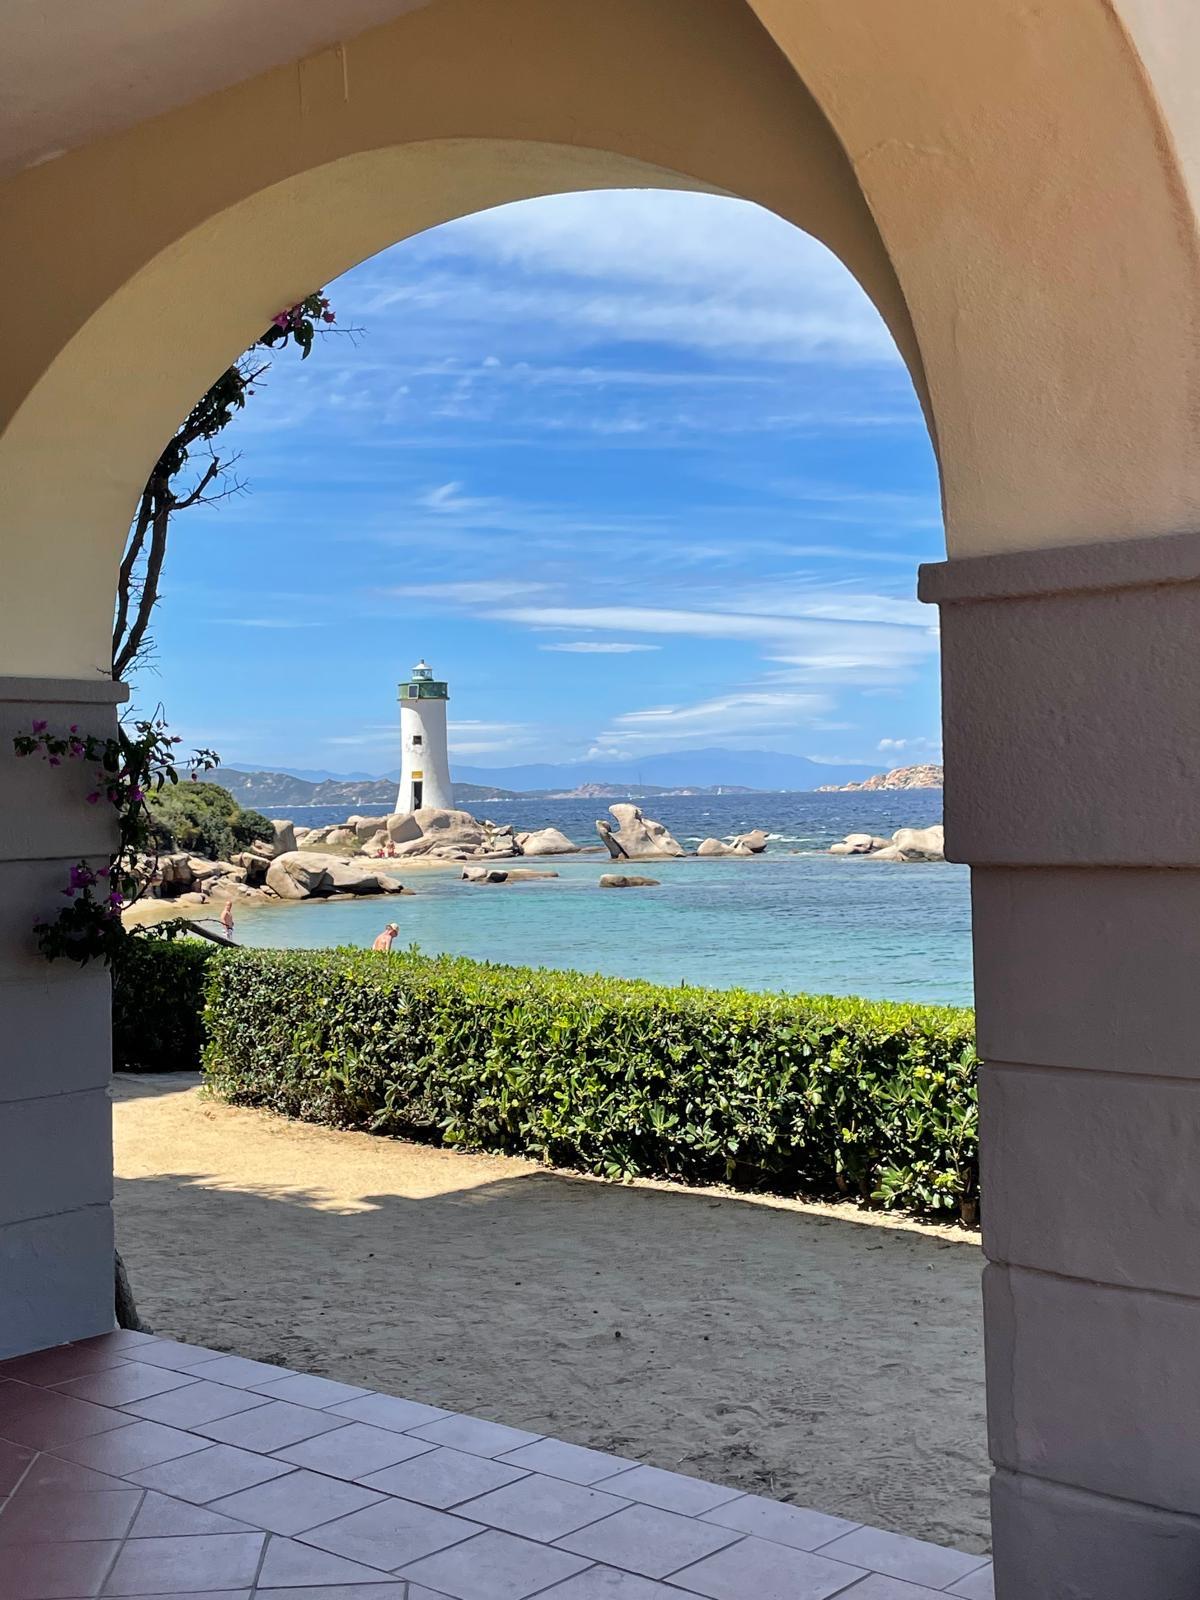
x=424 y=758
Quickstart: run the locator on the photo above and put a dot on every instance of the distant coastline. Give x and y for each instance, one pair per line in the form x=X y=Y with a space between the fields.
x=927 y=776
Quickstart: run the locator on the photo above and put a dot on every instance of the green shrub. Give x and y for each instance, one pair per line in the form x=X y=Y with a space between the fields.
x=790 y=1094
x=158 y=1004
x=205 y=820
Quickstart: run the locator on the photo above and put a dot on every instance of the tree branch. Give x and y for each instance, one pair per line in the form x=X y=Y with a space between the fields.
x=125 y=578
x=210 y=472
x=148 y=599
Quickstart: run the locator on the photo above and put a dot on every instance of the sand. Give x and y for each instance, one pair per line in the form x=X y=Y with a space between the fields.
x=812 y=1353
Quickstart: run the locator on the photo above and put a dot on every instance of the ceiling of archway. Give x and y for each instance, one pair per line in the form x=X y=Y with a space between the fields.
x=73 y=70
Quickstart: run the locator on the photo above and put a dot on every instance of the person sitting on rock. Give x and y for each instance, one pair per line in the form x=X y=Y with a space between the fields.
x=383 y=941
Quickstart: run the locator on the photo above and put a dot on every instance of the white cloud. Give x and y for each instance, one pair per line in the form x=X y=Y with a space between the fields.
x=449 y=497
x=810 y=649
x=724 y=716
x=583 y=647
x=481 y=591
x=265 y=622
x=695 y=270
x=894 y=746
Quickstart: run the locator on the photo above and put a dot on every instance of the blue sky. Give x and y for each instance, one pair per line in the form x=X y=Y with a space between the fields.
x=635 y=471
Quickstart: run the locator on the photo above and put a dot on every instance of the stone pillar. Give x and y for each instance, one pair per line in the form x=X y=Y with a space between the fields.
x=56 y=1230
x=1072 y=726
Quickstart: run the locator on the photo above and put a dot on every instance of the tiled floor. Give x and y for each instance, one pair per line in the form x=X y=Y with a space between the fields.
x=132 y=1466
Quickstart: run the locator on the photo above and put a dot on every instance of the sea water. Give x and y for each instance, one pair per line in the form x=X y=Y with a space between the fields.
x=794 y=919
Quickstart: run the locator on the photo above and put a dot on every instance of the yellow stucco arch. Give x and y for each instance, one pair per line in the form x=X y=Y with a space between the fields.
x=1002 y=190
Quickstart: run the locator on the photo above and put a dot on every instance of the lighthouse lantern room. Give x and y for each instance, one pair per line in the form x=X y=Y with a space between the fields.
x=424 y=757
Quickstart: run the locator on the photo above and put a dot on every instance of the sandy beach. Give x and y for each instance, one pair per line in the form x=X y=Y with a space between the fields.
x=814 y=1353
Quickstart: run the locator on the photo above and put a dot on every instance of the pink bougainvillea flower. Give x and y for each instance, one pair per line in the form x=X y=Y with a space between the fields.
x=94 y=797
x=40 y=727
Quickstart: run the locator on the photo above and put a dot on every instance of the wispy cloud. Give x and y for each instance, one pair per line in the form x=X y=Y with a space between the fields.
x=586 y=647
x=266 y=622
x=675 y=267
x=828 y=647
x=724 y=717
x=479 y=591
x=449 y=497
x=913 y=746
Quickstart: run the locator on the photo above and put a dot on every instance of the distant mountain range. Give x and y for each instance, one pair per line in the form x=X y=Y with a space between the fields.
x=676 y=769
x=695 y=771
x=369 y=795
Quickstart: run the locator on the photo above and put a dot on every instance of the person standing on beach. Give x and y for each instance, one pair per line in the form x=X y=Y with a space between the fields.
x=383 y=941
x=227 y=919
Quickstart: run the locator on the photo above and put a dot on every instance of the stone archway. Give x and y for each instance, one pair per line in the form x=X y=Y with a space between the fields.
x=1014 y=187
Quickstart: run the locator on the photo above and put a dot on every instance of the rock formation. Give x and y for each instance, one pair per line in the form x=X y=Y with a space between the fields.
x=292 y=865
x=921 y=844
x=307 y=874
x=926 y=776
x=285 y=838
x=755 y=842
x=618 y=880
x=545 y=842
x=637 y=837
x=906 y=844
x=742 y=844
x=503 y=874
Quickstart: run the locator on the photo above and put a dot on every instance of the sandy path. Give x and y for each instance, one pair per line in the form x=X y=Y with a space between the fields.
x=792 y=1350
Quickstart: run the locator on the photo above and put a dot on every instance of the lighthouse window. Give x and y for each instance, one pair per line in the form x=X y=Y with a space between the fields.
x=418 y=739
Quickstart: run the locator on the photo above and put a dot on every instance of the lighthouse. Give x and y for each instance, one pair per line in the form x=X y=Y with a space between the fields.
x=424 y=759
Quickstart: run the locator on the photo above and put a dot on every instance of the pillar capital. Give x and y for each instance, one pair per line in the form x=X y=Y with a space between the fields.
x=1071 y=704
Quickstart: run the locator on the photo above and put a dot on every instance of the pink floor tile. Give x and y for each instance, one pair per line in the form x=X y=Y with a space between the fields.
x=14 y=1463
x=46 y=1367
x=177 y=1357
x=57 y=1571
x=140 y=1467
x=179 y=1565
x=197 y=1403
x=355 y=1451
x=290 y=1565
x=35 y=1516
x=46 y=1419
x=210 y=1474
x=138 y=1444
x=293 y=1504
x=117 y=1386
x=160 y=1514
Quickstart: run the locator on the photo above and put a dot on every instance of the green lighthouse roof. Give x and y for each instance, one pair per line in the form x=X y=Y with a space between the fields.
x=422 y=685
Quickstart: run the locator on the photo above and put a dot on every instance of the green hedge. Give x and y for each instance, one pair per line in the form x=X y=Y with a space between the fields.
x=791 y=1094
x=158 y=1004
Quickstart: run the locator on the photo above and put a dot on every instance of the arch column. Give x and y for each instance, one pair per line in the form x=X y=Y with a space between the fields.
x=56 y=1226
x=1071 y=697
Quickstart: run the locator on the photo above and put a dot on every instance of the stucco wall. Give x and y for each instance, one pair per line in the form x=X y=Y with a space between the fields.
x=210 y=218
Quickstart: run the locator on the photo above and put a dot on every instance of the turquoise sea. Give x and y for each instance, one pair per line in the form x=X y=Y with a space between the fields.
x=793 y=919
